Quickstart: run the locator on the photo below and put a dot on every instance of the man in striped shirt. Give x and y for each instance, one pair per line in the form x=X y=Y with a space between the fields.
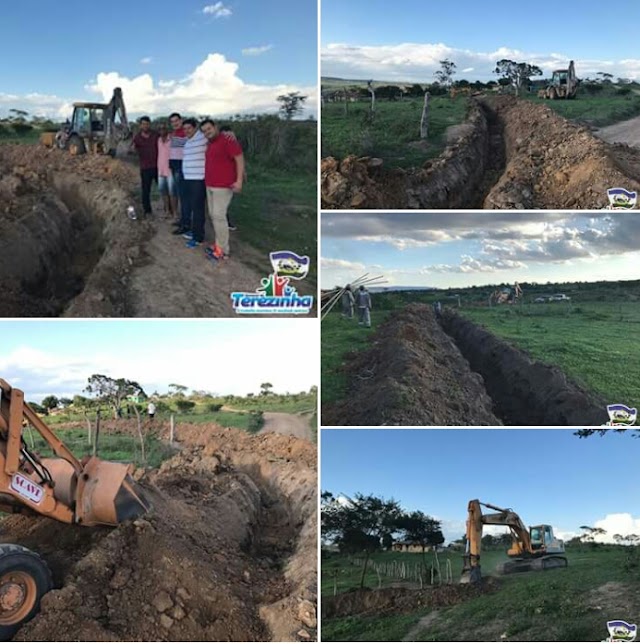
x=195 y=194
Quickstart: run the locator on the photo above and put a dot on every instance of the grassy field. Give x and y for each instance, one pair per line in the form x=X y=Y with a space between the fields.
x=595 y=343
x=339 y=337
x=123 y=447
x=395 y=126
x=570 y=605
x=594 y=110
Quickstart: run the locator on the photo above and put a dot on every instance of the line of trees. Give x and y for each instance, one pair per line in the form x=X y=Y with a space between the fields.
x=365 y=524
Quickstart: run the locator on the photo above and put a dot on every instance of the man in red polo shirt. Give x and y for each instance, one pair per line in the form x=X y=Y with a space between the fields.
x=223 y=176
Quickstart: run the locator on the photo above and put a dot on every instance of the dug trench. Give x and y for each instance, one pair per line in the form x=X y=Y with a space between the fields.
x=427 y=372
x=68 y=248
x=227 y=554
x=510 y=153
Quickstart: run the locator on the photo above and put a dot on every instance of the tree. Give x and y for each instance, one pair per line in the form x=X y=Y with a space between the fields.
x=417 y=527
x=113 y=391
x=605 y=77
x=488 y=541
x=177 y=390
x=184 y=405
x=446 y=72
x=518 y=74
x=39 y=409
x=265 y=388
x=590 y=534
x=586 y=433
x=359 y=524
x=291 y=104
x=19 y=116
x=50 y=402
x=65 y=402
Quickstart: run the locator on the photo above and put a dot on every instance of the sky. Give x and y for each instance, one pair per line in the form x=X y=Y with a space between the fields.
x=455 y=250
x=546 y=476
x=218 y=58
x=220 y=356
x=364 y=39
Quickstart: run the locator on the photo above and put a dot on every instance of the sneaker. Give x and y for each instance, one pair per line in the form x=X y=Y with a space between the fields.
x=192 y=244
x=188 y=235
x=214 y=251
x=232 y=228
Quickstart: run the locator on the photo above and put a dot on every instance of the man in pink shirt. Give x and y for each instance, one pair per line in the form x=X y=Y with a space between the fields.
x=166 y=183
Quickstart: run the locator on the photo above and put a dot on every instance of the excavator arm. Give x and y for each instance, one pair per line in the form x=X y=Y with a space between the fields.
x=476 y=520
x=91 y=492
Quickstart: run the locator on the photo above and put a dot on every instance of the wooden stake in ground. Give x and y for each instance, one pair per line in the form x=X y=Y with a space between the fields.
x=96 y=434
x=172 y=428
x=424 y=121
x=373 y=98
x=140 y=435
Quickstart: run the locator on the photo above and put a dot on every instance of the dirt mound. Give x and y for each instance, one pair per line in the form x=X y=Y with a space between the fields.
x=517 y=154
x=228 y=553
x=553 y=163
x=525 y=391
x=413 y=374
x=401 y=601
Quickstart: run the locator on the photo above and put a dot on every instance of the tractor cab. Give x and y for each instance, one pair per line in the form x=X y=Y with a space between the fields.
x=560 y=77
x=88 y=118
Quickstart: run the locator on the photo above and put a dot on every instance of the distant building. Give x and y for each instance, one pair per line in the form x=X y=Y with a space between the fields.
x=408 y=546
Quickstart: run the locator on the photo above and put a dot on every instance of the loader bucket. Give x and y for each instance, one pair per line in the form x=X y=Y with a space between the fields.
x=108 y=495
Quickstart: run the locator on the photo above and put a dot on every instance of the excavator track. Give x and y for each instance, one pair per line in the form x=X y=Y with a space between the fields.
x=527 y=565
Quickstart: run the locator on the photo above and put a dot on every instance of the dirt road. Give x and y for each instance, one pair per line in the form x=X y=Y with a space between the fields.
x=287 y=424
x=624 y=132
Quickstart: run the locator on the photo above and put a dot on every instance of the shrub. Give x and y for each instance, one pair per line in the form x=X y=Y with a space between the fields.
x=214 y=406
x=184 y=405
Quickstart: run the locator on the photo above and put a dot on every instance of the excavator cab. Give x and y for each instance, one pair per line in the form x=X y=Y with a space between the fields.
x=543 y=539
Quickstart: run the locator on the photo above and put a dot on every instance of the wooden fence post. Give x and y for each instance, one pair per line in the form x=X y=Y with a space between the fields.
x=424 y=120
x=171 y=430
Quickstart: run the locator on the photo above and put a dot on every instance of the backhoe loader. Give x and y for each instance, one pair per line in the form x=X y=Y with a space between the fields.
x=531 y=549
x=90 y=492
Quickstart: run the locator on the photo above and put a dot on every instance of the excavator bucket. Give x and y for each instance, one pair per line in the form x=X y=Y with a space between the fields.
x=104 y=494
x=108 y=495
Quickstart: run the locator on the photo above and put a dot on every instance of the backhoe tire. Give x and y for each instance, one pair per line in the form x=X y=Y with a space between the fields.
x=75 y=145
x=24 y=579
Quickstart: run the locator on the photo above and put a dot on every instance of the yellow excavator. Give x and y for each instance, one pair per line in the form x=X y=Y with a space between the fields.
x=90 y=492
x=535 y=548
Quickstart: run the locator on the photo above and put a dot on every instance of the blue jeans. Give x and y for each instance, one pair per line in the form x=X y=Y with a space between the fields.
x=194 y=203
x=178 y=180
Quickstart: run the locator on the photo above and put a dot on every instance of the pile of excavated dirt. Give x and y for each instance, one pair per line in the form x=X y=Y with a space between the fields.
x=513 y=154
x=227 y=554
x=553 y=163
x=413 y=374
x=66 y=244
x=525 y=391
x=401 y=600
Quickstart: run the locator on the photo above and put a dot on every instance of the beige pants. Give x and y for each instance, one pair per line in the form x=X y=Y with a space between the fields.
x=218 y=200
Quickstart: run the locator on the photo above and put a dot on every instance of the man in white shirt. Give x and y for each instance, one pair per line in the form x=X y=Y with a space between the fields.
x=151 y=410
x=195 y=194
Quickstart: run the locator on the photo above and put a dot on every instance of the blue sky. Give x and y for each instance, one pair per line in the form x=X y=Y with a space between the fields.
x=222 y=356
x=583 y=31
x=467 y=249
x=41 y=50
x=547 y=476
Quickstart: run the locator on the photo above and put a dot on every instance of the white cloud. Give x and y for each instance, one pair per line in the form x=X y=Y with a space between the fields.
x=256 y=51
x=327 y=262
x=213 y=87
x=217 y=10
x=620 y=523
x=147 y=60
x=64 y=372
x=417 y=62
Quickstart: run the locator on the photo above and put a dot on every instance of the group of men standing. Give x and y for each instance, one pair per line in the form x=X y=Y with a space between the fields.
x=197 y=166
x=361 y=300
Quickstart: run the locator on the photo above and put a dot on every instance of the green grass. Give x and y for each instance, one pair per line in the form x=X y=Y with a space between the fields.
x=111 y=446
x=555 y=605
x=277 y=210
x=595 y=343
x=594 y=110
x=396 y=124
x=340 y=337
